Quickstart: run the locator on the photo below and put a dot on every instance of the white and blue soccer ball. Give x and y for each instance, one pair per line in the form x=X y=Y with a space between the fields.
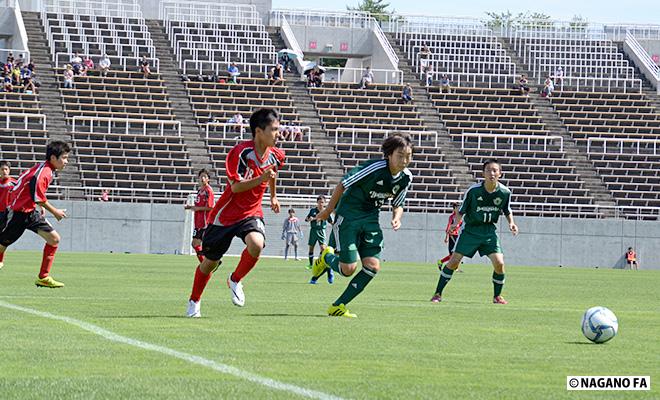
x=599 y=324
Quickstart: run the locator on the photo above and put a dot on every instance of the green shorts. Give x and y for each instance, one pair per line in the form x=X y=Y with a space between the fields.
x=316 y=236
x=468 y=244
x=356 y=239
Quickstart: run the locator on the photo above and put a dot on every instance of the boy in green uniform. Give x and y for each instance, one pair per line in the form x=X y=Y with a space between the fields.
x=317 y=235
x=482 y=205
x=356 y=232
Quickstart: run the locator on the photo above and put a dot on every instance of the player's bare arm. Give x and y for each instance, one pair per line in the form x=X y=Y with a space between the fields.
x=274 y=202
x=243 y=186
x=336 y=195
x=397 y=213
x=512 y=225
x=57 y=213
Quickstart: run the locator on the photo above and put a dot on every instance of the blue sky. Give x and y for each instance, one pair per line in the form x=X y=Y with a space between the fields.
x=631 y=11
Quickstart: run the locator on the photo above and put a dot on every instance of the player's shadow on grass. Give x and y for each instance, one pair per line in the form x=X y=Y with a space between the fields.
x=287 y=315
x=589 y=343
x=141 y=316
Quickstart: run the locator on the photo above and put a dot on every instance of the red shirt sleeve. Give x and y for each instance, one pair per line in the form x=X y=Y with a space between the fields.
x=41 y=186
x=209 y=197
x=280 y=158
x=232 y=165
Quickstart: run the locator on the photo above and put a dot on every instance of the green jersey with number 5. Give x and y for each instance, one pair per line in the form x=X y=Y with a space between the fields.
x=481 y=209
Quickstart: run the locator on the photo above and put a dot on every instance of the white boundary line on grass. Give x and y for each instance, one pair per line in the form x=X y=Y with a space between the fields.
x=223 y=368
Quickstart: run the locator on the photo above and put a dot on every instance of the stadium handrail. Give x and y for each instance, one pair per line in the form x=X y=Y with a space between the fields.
x=472 y=78
x=372 y=139
x=16 y=52
x=582 y=83
x=114 y=8
x=200 y=11
x=636 y=145
x=229 y=131
x=79 y=119
x=649 y=68
x=8 y=116
x=385 y=44
x=387 y=76
x=290 y=40
x=123 y=61
x=221 y=55
x=133 y=194
x=336 y=19
x=221 y=66
x=511 y=138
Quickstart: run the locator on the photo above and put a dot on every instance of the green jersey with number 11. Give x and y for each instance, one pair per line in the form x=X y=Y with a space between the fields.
x=481 y=209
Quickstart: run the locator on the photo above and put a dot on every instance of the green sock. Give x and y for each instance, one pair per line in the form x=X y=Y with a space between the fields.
x=445 y=277
x=356 y=286
x=333 y=261
x=498 y=283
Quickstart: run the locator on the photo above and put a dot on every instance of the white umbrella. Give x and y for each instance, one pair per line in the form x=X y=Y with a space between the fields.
x=310 y=66
x=292 y=54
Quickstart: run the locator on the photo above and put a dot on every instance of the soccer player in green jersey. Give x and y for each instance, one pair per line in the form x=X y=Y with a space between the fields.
x=482 y=205
x=317 y=235
x=356 y=233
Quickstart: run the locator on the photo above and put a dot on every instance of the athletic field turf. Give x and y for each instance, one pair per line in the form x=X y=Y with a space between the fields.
x=117 y=331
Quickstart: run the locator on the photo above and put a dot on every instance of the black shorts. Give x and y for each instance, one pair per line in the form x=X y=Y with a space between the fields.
x=14 y=223
x=451 y=243
x=217 y=239
x=198 y=233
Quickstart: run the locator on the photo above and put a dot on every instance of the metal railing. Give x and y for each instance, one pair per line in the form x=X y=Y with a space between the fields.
x=628 y=85
x=200 y=11
x=648 y=66
x=218 y=68
x=11 y=117
x=467 y=79
x=548 y=142
x=290 y=40
x=108 y=8
x=62 y=59
x=4 y=53
x=385 y=44
x=354 y=75
x=376 y=136
x=636 y=146
x=109 y=125
x=242 y=131
x=335 y=19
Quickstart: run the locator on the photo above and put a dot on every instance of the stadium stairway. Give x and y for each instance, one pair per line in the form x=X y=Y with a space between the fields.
x=51 y=100
x=451 y=151
x=190 y=131
x=583 y=166
x=648 y=89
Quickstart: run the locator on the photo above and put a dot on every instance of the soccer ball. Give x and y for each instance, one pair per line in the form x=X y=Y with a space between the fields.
x=599 y=324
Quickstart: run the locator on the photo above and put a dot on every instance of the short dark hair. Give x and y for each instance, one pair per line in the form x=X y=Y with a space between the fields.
x=455 y=204
x=321 y=197
x=262 y=118
x=57 y=148
x=5 y=163
x=203 y=171
x=291 y=210
x=394 y=142
x=490 y=161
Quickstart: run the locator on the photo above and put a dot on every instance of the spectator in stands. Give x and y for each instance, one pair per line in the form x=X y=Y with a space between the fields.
x=559 y=75
x=6 y=85
x=233 y=72
x=10 y=59
x=424 y=56
x=30 y=66
x=88 y=65
x=68 y=77
x=523 y=86
x=105 y=196
x=237 y=119
x=631 y=259
x=548 y=87
x=145 y=68
x=28 y=85
x=285 y=131
x=445 y=85
x=104 y=65
x=428 y=76
x=367 y=78
x=16 y=75
x=284 y=61
x=20 y=60
x=296 y=132
x=277 y=75
x=76 y=63
x=407 y=94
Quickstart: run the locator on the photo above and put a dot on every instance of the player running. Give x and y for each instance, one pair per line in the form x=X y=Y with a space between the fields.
x=251 y=167
x=481 y=208
x=28 y=193
x=356 y=232
x=6 y=184
x=317 y=235
x=203 y=205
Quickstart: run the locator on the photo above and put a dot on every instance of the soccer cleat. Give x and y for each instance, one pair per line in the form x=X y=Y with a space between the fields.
x=499 y=300
x=48 y=282
x=340 y=311
x=436 y=298
x=309 y=267
x=331 y=277
x=319 y=264
x=237 y=295
x=313 y=281
x=194 y=309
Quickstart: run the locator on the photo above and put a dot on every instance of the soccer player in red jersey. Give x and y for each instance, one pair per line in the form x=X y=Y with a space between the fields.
x=6 y=184
x=28 y=192
x=203 y=205
x=251 y=167
x=451 y=233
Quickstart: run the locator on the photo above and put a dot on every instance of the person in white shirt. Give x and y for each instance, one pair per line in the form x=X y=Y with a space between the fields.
x=367 y=78
x=104 y=65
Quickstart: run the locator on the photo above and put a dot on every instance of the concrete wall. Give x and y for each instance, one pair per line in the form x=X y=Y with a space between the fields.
x=160 y=228
x=359 y=41
x=652 y=47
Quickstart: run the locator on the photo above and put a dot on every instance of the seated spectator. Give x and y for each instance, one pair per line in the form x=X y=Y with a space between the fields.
x=104 y=65
x=284 y=61
x=424 y=57
x=285 y=131
x=237 y=119
x=10 y=59
x=367 y=78
x=144 y=67
x=68 y=77
x=233 y=72
x=311 y=79
x=20 y=60
x=105 y=196
x=445 y=86
x=88 y=65
x=76 y=63
x=523 y=87
x=559 y=76
x=276 y=75
x=28 y=85
x=548 y=87
x=631 y=259
x=428 y=76
x=16 y=75
x=296 y=132
x=30 y=66
x=407 y=94
x=7 y=85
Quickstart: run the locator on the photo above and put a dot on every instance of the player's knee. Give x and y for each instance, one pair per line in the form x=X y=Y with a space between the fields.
x=498 y=266
x=54 y=239
x=348 y=269
x=255 y=248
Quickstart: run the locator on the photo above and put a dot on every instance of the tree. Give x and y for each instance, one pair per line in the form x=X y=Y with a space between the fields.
x=508 y=20
x=579 y=23
x=375 y=8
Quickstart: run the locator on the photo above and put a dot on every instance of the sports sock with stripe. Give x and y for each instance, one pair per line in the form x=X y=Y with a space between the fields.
x=445 y=277
x=356 y=286
x=498 y=283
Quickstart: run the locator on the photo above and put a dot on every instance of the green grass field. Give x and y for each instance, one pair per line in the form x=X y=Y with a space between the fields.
x=400 y=347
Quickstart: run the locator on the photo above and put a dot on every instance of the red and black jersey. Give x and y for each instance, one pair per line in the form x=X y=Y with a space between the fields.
x=204 y=199
x=6 y=186
x=31 y=187
x=457 y=229
x=244 y=164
